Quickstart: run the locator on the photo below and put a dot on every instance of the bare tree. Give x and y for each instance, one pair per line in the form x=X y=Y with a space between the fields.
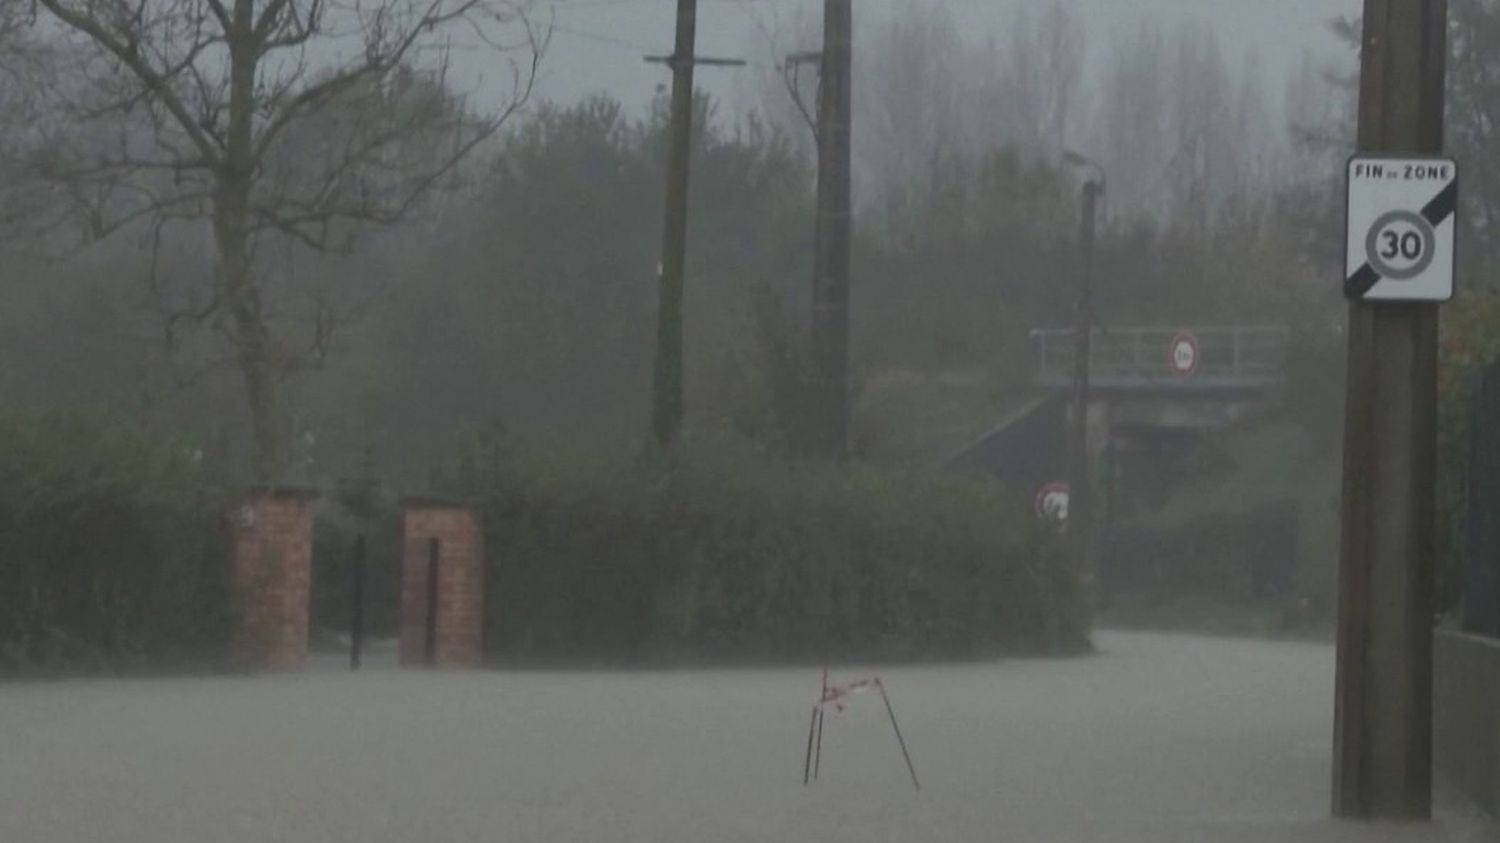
x=1024 y=91
x=1132 y=121
x=782 y=86
x=1062 y=41
x=1203 y=163
x=1256 y=142
x=908 y=106
x=1473 y=127
x=276 y=122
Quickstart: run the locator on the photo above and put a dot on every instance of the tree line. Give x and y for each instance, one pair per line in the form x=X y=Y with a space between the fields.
x=212 y=224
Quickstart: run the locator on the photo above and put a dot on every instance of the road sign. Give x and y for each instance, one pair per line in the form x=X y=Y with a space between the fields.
x=1182 y=356
x=1402 y=218
x=1052 y=501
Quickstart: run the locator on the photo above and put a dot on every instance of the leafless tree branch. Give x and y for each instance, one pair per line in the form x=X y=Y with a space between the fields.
x=229 y=115
x=127 y=50
x=790 y=72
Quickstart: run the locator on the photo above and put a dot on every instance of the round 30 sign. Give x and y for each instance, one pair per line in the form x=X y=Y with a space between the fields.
x=1182 y=356
x=1401 y=245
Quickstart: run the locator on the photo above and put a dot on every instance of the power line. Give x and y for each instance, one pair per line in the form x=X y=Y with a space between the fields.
x=568 y=5
x=602 y=39
x=636 y=46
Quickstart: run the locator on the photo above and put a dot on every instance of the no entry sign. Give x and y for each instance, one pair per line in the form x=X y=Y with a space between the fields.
x=1182 y=356
x=1402 y=219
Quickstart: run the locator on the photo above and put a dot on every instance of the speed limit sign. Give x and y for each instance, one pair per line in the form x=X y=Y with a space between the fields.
x=1402 y=218
x=1182 y=356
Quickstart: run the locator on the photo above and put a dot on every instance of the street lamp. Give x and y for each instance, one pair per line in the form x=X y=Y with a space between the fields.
x=1083 y=162
x=1080 y=525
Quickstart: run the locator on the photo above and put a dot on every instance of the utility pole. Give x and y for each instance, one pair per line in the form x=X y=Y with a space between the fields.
x=666 y=408
x=667 y=404
x=1383 y=711
x=830 y=300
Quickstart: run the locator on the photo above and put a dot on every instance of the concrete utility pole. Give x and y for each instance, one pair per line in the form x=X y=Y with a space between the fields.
x=830 y=301
x=1383 y=712
x=667 y=406
x=1080 y=497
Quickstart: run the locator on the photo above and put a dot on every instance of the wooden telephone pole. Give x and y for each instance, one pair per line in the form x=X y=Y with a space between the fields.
x=666 y=408
x=1383 y=713
x=667 y=404
x=830 y=300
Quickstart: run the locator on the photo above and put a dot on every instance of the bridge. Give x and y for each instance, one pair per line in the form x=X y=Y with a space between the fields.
x=1147 y=412
x=1236 y=359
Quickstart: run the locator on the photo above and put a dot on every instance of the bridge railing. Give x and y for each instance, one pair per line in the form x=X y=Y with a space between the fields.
x=1244 y=356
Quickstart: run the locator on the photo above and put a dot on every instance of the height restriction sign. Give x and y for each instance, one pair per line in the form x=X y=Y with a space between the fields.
x=1402 y=215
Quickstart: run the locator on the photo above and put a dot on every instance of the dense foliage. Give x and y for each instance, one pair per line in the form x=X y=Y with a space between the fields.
x=522 y=295
x=112 y=550
x=717 y=551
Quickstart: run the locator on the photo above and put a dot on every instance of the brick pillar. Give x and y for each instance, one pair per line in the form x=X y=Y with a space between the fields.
x=272 y=548
x=460 y=582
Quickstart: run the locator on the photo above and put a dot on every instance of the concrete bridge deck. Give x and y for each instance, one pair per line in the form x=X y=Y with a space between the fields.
x=1158 y=739
x=1234 y=359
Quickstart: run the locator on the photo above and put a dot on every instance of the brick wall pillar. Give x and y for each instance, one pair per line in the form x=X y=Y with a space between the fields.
x=460 y=582
x=272 y=548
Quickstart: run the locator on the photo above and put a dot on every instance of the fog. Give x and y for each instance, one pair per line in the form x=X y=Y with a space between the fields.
x=415 y=422
x=597 y=46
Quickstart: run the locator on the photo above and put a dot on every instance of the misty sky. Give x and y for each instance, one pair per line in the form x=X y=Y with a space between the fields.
x=598 y=44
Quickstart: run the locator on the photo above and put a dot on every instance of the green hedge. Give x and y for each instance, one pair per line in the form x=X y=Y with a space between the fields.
x=719 y=551
x=112 y=550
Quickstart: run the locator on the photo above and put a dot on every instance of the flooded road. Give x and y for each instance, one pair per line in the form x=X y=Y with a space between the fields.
x=1158 y=738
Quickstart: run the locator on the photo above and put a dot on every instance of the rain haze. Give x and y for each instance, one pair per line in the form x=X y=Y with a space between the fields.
x=944 y=421
x=598 y=46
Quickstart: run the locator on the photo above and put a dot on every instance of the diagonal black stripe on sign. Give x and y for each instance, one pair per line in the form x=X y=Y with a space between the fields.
x=1442 y=205
x=1356 y=285
x=1439 y=209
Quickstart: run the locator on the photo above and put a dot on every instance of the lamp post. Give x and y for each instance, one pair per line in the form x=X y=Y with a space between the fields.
x=1080 y=524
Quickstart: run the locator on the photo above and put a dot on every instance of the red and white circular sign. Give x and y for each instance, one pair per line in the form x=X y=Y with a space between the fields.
x=1052 y=501
x=1182 y=357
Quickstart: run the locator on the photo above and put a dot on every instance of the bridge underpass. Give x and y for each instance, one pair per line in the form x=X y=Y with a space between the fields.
x=1138 y=402
x=1154 y=425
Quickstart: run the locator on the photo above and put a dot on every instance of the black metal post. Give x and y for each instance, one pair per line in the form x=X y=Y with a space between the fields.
x=812 y=727
x=1080 y=493
x=1107 y=558
x=818 y=753
x=910 y=768
x=434 y=552
x=357 y=610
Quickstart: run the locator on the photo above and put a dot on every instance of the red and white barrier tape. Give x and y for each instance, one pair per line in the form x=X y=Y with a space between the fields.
x=838 y=695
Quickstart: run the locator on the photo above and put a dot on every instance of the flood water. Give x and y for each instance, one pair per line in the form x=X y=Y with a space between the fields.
x=1157 y=738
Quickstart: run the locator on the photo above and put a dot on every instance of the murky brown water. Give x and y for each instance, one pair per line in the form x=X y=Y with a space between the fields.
x=1156 y=739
